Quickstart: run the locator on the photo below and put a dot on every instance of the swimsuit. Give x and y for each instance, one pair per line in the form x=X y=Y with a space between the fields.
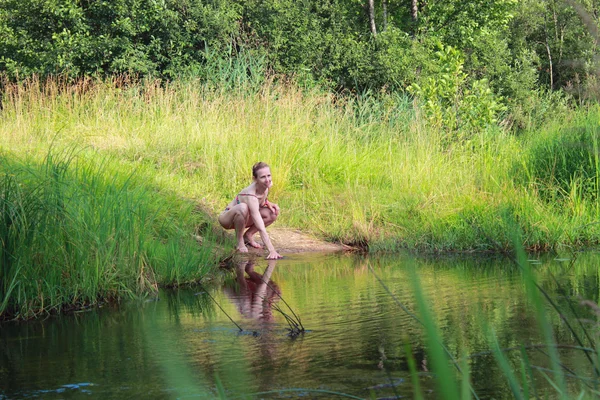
x=237 y=199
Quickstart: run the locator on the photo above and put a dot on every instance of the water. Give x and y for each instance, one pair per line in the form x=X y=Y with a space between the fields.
x=356 y=341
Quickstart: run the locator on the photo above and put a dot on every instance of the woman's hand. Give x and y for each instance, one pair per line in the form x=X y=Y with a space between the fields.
x=273 y=255
x=274 y=208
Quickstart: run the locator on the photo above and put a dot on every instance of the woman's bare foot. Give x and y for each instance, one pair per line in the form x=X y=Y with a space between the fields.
x=251 y=242
x=242 y=248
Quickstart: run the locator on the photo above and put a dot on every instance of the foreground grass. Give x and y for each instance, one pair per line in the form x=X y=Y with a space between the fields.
x=361 y=171
x=518 y=371
x=76 y=232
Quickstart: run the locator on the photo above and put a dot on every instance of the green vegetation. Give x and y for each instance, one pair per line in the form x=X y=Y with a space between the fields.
x=127 y=125
x=518 y=49
x=517 y=370
x=364 y=171
x=75 y=233
x=388 y=125
x=367 y=171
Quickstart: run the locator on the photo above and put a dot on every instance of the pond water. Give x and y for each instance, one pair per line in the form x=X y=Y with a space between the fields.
x=357 y=340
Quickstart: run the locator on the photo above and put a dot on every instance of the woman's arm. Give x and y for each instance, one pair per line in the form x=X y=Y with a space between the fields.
x=257 y=220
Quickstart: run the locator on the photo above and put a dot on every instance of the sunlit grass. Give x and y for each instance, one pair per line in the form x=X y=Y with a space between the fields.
x=356 y=170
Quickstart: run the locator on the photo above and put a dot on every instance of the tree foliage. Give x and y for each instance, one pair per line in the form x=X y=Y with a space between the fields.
x=82 y=37
x=517 y=46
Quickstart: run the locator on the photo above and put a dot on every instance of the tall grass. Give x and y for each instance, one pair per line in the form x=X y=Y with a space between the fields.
x=75 y=232
x=364 y=170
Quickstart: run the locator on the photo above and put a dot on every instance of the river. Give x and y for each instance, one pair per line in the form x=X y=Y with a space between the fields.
x=361 y=327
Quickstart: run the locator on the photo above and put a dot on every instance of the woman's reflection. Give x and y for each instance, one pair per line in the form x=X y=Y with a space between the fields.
x=254 y=294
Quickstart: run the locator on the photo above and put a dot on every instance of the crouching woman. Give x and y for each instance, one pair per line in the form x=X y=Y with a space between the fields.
x=251 y=212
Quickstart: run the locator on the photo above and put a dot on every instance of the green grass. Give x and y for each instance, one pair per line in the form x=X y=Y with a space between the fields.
x=76 y=232
x=364 y=170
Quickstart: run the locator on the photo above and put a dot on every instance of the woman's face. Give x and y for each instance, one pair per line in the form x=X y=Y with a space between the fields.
x=263 y=177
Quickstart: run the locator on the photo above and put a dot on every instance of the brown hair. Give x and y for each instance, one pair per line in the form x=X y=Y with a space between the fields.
x=258 y=166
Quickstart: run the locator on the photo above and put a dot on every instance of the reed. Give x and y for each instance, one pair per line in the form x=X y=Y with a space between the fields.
x=564 y=383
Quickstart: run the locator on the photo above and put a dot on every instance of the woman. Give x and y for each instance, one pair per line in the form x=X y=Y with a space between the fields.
x=251 y=209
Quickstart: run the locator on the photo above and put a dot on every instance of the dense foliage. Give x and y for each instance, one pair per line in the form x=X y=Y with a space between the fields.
x=517 y=45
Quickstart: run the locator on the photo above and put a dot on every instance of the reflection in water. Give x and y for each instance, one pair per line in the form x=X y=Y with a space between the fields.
x=359 y=341
x=254 y=294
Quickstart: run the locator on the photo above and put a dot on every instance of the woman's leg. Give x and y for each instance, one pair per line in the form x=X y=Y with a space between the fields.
x=236 y=218
x=268 y=218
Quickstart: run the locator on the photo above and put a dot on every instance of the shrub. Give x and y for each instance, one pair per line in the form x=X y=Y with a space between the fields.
x=452 y=102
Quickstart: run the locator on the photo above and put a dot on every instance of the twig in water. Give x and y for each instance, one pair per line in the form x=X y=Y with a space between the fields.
x=296 y=327
x=570 y=372
x=224 y=312
x=297 y=318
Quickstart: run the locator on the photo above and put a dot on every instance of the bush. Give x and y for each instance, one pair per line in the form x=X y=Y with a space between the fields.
x=452 y=102
x=133 y=36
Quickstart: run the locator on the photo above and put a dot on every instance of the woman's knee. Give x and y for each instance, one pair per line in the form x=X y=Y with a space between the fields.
x=223 y=221
x=228 y=218
x=242 y=211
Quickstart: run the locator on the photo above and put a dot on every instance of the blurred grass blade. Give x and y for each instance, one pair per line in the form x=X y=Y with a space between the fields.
x=445 y=376
x=533 y=292
x=513 y=382
x=414 y=374
x=465 y=392
x=527 y=375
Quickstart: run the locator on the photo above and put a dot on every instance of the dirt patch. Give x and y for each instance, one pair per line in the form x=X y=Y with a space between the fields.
x=288 y=240
x=292 y=241
x=285 y=241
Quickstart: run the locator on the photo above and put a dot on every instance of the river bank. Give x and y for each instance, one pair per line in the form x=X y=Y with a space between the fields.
x=122 y=179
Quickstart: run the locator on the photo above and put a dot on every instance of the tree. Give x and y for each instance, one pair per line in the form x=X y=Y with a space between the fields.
x=414 y=10
x=86 y=37
x=372 y=17
x=562 y=34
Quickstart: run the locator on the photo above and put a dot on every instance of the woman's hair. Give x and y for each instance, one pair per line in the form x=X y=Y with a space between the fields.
x=258 y=166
